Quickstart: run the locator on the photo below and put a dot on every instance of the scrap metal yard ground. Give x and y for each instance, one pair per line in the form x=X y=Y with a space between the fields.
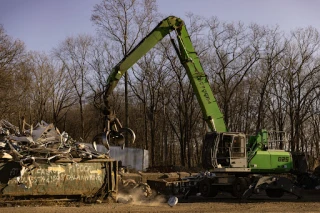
x=182 y=207
x=223 y=203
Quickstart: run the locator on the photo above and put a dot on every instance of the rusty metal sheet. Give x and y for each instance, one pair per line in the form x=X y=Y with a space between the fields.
x=62 y=177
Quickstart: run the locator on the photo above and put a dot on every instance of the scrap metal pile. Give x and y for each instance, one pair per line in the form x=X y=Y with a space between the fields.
x=42 y=143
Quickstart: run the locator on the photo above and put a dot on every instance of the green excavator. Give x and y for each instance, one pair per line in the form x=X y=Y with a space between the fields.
x=236 y=162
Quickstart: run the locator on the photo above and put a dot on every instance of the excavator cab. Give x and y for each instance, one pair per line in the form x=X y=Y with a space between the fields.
x=224 y=150
x=231 y=150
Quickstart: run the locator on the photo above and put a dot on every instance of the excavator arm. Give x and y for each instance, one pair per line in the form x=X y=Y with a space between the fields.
x=189 y=59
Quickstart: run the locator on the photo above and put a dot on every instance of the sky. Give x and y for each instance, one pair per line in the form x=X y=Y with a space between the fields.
x=43 y=24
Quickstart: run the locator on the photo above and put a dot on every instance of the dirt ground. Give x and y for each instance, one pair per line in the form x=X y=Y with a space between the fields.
x=223 y=203
x=180 y=207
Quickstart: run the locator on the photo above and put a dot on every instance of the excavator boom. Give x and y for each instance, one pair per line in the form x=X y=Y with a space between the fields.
x=188 y=57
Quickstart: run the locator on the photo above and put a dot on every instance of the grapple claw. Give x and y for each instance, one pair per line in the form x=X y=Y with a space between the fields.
x=132 y=136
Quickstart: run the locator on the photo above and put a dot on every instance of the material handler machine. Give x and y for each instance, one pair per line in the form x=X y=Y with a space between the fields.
x=236 y=163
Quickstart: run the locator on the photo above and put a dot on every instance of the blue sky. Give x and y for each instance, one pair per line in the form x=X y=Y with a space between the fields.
x=43 y=24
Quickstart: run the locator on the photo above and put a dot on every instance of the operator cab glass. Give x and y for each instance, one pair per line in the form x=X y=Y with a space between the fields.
x=231 y=148
x=238 y=147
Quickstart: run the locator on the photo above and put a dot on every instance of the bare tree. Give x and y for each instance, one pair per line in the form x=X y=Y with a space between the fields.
x=149 y=86
x=183 y=110
x=314 y=130
x=73 y=54
x=63 y=96
x=301 y=73
x=11 y=63
x=124 y=22
x=42 y=87
x=100 y=62
x=235 y=49
x=272 y=48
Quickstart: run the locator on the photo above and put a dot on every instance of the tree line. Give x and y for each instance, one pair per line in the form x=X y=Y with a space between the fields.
x=261 y=77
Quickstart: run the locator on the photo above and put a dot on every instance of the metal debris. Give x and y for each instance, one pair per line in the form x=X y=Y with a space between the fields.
x=42 y=143
x=172 y=201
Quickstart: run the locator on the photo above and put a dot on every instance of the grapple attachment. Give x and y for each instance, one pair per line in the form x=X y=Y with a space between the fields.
x=114 y=134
